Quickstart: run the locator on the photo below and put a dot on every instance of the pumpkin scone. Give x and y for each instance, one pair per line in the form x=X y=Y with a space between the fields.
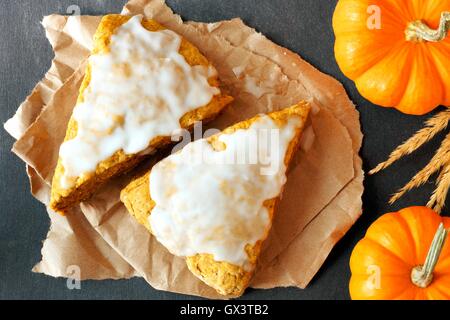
x=213 y=201
x=142 y=84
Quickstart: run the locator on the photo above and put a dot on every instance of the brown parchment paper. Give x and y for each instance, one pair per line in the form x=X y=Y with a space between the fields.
x=322 y=198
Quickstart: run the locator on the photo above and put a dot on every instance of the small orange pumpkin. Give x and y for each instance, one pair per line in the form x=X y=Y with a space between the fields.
x=396 y=51
x=403 y=257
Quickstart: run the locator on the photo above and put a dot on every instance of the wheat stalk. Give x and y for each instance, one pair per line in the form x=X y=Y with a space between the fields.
x=441 y=158
x=433 y=126
x=437 y=200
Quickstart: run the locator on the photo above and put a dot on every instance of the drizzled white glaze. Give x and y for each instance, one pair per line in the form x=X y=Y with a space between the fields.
x=139 y=90
x=207 y=205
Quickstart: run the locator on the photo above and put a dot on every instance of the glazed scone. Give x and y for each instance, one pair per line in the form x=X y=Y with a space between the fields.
x=226 y=276
x=111 y=83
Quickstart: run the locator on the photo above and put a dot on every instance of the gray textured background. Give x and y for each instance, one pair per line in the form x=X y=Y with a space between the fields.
x=301 y=25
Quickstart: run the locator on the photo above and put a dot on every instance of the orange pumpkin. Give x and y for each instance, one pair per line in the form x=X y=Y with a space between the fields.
x=396 y=51
x=403 y=257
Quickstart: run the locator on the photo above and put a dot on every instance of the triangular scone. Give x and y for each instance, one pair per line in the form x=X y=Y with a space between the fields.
x=81 y=186
x=210 y=195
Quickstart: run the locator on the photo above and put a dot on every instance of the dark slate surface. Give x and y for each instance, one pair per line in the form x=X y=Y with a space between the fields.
x=301 y=25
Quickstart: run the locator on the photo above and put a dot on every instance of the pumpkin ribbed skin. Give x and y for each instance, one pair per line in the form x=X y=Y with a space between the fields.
x=388 y=70
x=395 y=244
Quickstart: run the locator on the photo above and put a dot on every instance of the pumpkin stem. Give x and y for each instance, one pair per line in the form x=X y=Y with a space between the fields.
x=418 y=31
x=422 y=276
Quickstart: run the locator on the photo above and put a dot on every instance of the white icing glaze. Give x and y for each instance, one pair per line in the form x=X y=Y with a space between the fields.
x=209 y=204
x=139 y=90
